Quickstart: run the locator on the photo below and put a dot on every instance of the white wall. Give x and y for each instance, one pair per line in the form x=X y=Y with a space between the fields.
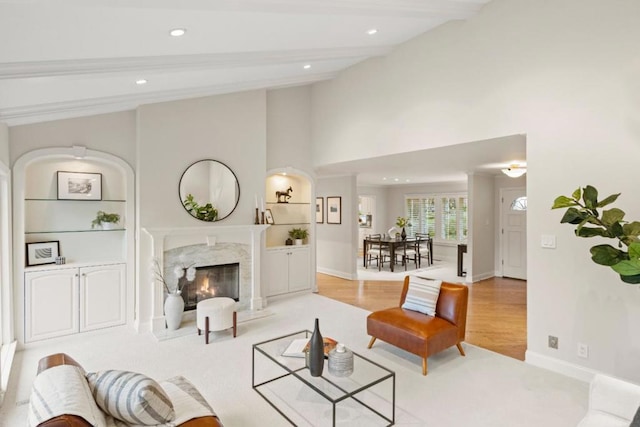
x=482 y=229
x=565 y=73
x=336 y=244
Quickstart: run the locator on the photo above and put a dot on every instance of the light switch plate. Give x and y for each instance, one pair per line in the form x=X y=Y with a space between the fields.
x=548 y=241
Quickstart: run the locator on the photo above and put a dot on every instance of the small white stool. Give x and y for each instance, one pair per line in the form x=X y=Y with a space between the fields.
x=215 y=314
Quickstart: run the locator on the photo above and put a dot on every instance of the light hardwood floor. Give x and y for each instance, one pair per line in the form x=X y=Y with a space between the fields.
x=496 y=316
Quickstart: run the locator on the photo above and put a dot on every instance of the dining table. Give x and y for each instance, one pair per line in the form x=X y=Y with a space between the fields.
x=393 y=243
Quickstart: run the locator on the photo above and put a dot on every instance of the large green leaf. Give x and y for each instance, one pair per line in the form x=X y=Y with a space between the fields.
x=627 y=268
x=577 y=194
x=607 y=255
x=590 y=232
x=632 y=228
x=563 y=202
x=613 y=215
x=634 y=280
x=612 y=198
x=573 y=216
x=634 y=250
x=615 y=230
x=590 y=197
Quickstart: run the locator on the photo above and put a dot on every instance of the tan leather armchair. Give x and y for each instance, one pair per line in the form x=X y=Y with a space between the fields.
x=421 y=334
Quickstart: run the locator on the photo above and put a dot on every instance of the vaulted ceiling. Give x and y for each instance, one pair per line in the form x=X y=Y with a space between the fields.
x=68 y=58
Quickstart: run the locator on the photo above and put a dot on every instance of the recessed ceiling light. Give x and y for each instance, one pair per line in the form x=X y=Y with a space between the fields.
x=307 y=66
x=177 y=32
x=408 y=180
x=372 y=31
x=396 y=179
x=384 y=179
x=141 y=81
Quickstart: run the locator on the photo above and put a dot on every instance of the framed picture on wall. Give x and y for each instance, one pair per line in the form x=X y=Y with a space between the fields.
x=334 y=210
x=79 y=186
x=319 y=210
x=268 y=216
x=42 y=252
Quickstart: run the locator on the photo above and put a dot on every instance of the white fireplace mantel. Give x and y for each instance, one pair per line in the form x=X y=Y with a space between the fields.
x=165 y=238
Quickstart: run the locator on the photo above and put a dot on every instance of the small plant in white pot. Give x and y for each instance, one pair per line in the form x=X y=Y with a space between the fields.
x=106 y=221
x=298 y=234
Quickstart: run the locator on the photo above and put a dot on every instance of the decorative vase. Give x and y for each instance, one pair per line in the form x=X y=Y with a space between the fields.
x=403 y=234
x=173 y=308
x=340 y=361
x=108 y=225
x=316 y=352
x=288 y=242
x=298 y=241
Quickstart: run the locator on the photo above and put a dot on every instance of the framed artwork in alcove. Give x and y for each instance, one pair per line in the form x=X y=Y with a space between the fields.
x=79 y=186
x=334 y=210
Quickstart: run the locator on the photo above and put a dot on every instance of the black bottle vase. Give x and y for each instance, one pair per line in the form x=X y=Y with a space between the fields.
x=316 y=352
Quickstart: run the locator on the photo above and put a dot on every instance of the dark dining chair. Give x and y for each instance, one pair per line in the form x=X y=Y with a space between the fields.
x=423 y=245
x=375 y=251
x=409 y=252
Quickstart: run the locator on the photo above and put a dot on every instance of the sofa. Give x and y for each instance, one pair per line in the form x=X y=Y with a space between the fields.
x=60 y=378
x=420 y=333
x=612 y=403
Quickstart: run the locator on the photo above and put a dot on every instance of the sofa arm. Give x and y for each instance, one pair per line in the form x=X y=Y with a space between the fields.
x=614 y=396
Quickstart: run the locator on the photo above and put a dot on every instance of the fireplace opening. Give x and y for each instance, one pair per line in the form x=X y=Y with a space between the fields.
x=210 y=281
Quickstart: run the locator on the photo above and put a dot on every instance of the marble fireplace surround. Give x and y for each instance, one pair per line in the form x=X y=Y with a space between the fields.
x=208 y=245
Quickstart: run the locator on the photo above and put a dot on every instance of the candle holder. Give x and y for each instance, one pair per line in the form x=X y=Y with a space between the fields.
x=262 y=222
x=257 y=221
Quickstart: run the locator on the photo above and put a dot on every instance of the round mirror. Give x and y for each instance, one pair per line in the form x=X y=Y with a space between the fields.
x=209 y=190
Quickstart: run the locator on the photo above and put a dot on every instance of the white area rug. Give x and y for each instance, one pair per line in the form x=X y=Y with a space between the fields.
x=481 y=389
x=438 y=270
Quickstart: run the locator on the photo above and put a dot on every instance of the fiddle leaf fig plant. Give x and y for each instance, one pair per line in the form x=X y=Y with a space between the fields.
x=583 y=210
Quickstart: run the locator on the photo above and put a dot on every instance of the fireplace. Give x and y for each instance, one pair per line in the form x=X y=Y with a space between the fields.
x=210 y=281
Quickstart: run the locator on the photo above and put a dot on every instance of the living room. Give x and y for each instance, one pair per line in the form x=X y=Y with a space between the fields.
x=564 y=74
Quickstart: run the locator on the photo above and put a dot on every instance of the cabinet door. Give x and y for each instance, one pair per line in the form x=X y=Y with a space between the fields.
x=277 y=272
x=51 y=303
x=102 y=296
x=299 y=274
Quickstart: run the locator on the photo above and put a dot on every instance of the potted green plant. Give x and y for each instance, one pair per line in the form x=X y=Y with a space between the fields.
x=105 y=220
x=298 y=234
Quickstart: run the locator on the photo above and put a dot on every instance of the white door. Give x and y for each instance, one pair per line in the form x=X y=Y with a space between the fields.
x=102 y=296
x=514 y=233
x=51 y=303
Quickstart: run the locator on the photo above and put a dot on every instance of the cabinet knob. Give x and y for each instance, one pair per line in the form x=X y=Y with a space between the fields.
x=77 y=275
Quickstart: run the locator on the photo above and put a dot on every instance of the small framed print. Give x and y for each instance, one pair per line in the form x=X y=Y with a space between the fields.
x=268 y=216
x=319 y=210
x=334 y=210
x=79 y=186
x=42 y=252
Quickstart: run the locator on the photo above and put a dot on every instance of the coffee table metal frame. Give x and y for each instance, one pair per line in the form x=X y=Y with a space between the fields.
x=325 y=376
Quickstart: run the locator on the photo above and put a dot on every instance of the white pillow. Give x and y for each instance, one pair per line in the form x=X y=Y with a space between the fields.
x=422 y=295
x=131 y=397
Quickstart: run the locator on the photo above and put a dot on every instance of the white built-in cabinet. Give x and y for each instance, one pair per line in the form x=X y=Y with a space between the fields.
x=288 y=267
x=288 y=270
x=67 y=300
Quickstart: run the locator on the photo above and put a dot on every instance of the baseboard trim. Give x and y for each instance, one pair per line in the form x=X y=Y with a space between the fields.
x=340 y=274
x=482 y=276
x=560 y=366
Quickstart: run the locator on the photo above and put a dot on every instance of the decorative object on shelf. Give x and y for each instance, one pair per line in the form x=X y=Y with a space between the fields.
x=257 y=220
x=340 y=361
x=209 y=190
x=288 y=242
x=334 y=210
x=316 y=351
x=298 y=234
x=61 y=260
x=39 y=253
x=268 y=217
x=107 y=221
x=173 y=309
x=79 y=185
x=319 y=210
x=203 y=213
x=583 y=211
x=284 y=196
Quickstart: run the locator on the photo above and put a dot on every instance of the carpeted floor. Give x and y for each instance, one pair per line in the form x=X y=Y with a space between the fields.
x=481 y=389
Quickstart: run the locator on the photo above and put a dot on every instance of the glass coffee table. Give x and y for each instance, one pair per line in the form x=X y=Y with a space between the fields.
x=365 y=398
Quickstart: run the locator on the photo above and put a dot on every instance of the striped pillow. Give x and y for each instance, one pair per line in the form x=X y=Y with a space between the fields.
x=131 y=397
x=422 y=295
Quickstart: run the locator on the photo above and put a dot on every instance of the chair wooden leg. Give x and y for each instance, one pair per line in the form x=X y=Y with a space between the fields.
x=199 y=332
x=206 y=330
x=459 y=345
x=235 y=326
x=373 y=339
x=424 y=366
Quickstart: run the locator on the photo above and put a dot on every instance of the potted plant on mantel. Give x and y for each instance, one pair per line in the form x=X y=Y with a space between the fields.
x=107 y=221
x=298 y=234
x=583 y=211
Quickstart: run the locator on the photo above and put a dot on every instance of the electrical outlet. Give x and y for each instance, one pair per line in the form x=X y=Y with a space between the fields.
x=553 y=342
x=583 y=350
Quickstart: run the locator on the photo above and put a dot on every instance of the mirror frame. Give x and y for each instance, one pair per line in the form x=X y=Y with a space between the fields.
x=237 y=183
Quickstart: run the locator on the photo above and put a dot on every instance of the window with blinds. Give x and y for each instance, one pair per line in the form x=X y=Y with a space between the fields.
x=442 y=216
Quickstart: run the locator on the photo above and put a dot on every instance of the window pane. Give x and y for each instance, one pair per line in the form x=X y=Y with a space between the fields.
x=449 y=219
x=519 y=204
x=422 y=215
x=462 y=221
